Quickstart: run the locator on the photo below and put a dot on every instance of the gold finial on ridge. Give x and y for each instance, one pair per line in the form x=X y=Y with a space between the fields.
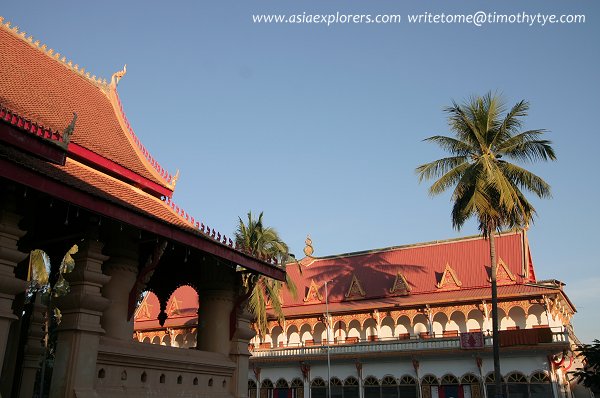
x=118 y=76
x=175 y=178
x=308 y=249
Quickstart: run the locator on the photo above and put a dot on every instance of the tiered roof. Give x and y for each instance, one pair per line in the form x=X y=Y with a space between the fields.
x=64 y=132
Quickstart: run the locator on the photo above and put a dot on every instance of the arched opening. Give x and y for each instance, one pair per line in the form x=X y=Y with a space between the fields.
x=351 y=388
x=353 y=332
x=408 y=387
x=306 y=334
x=179 y=340
x=318 y=388
x=369 y=332
x=457 y=322
x=166 y=340
x=297 y=387
x=282 y=389
x=387 y=328
x=403 y=327
x=389 y=387
x=162 y=379
x=293 y=336
x=440 y=320
x=320 y=333
x=536 y=316
x=266 y=389
x=517 y=385
x=420 y=327
x=475 y=321
x=101 y=374
x=180 y=379
x=156 y=340
x=449 y=386
x=539 y=385
x=518 y=317
x=471 y=385
x=337 y=389
x=277 y=336
x=251 y=389
x=490 y=385
x=429 y=386
x=372 y=387
x=339 y=332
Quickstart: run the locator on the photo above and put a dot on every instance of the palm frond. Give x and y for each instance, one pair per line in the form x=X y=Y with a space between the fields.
x=439 y=167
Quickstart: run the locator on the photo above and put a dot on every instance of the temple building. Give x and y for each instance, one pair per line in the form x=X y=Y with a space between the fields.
x=72 y=171
x=407 y=321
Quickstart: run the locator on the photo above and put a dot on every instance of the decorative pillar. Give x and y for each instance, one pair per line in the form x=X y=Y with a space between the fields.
x=34 y=350
x=122 y=267
x=216 y=297
x=359 y=373
x=239 y=353
x=79 y=332
x=10 y=256
x=416 y=365
x=305 y=368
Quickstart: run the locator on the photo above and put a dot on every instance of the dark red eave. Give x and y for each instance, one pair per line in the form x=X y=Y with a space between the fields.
x=31 y=138
x=114 y=169
x=39 y=182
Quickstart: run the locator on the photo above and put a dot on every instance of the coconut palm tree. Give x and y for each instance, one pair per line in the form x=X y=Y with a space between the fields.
x=486 y=185
x=264 y=242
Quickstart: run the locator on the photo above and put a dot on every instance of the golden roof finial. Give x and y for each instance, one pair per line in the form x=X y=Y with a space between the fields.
x=308 y=249
x=118 y=76
x=175 y=178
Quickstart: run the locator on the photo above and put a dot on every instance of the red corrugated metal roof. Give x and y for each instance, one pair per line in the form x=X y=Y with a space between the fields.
x=46 y=91
x=422 y=265
x=182 y=308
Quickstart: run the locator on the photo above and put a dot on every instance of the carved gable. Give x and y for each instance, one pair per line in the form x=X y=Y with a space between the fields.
x=144 y=311
x=503 y=274
x=355 y=289
x=449 y=279
x=401 y=286
x=313 y=292
x=174 y=307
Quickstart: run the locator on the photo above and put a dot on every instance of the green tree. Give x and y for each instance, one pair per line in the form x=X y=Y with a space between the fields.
x=486 y=184
x=263 y=242
x=589 y=375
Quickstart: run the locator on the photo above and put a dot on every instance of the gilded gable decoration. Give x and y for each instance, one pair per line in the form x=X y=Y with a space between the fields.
x=400 y=286
x=449 y=279
x=503 y=274
x=174 y=307
x=313 y=292
x=144 y=311
x=355 y=288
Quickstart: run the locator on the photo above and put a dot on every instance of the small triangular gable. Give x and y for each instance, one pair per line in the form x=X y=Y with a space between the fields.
x=355 y=288
x=503 y=274
x=144 y=311
x=400 y=286
x=449 y=279
x=313 y=292
x=174 y=307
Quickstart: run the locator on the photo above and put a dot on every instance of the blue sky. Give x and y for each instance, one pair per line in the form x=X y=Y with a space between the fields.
x=321 y=127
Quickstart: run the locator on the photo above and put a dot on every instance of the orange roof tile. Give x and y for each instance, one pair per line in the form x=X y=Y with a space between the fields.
x=38 y=86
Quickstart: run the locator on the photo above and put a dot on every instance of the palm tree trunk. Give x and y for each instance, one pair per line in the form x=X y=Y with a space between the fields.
x=495 y=334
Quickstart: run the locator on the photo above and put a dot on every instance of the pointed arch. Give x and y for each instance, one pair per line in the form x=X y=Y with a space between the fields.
x=355 y=289
x=449 y=280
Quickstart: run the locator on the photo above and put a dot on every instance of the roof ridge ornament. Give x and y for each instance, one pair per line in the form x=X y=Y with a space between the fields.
x=308 y=249
x=69 y=130
x=114 y=81
x=43 y=48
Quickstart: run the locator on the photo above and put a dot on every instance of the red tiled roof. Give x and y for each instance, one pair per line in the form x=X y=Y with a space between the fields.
x=182 y=308
x=43 y=89
x=77 y=177
x=422 y=265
